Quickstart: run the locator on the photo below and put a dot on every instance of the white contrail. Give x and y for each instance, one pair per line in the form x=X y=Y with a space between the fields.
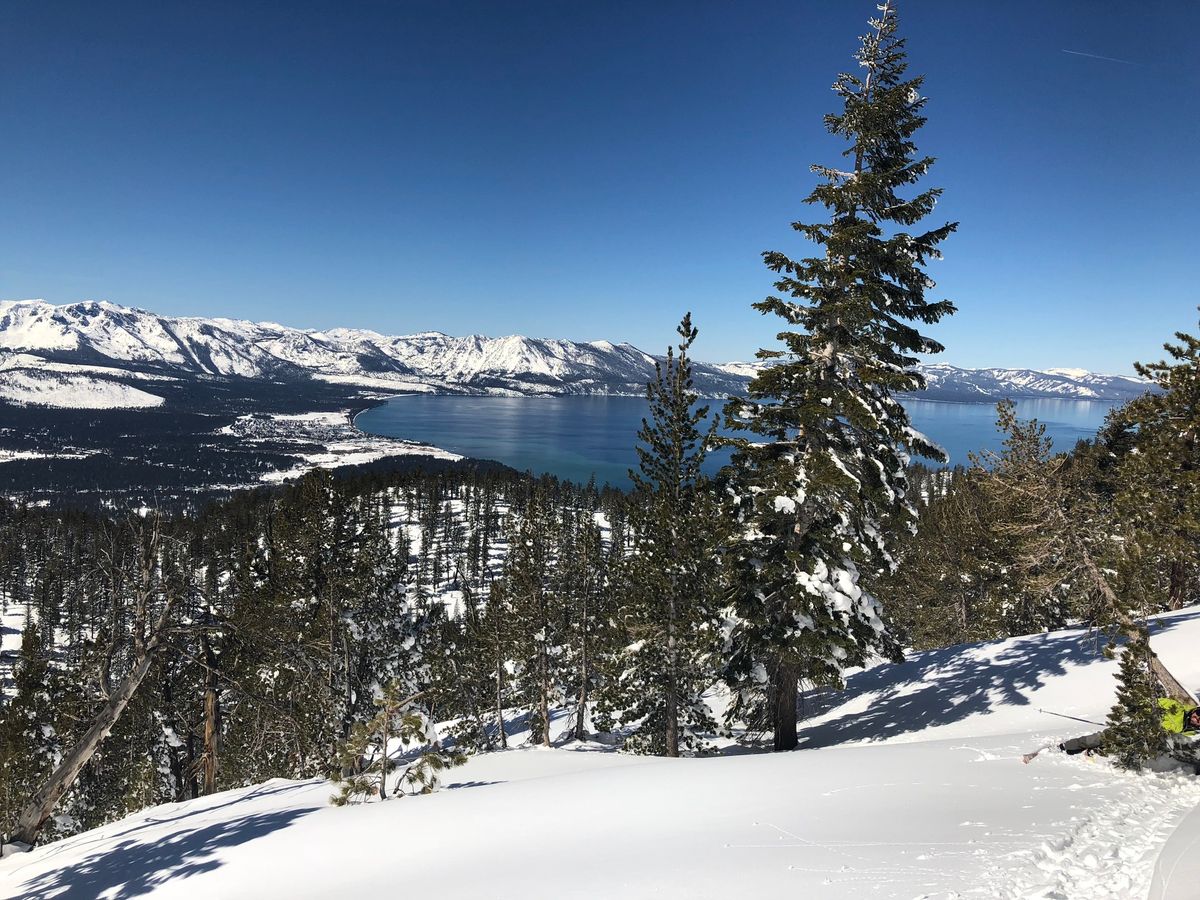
x=1127 y=62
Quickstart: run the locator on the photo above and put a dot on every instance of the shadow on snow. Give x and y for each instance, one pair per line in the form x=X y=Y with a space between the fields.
x=122 y=866
x=947 y=685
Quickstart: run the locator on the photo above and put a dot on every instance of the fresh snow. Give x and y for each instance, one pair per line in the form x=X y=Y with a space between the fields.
x=71 y=391
x=1177 y=871
x=909 y=784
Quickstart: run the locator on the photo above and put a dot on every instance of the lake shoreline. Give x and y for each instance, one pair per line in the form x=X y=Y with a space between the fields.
x=576 y=437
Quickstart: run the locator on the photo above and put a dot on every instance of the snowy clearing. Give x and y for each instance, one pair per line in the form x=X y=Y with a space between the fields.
x=915 y=790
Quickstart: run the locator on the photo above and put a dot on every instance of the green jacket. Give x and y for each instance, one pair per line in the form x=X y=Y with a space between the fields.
x=1174 y=714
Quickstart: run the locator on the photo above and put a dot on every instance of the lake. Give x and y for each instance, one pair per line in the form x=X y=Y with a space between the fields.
x=576 y=437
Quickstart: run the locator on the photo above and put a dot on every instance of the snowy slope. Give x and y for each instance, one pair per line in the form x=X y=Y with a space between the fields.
x=913 y=787
x=73 y=390
x=101 y=334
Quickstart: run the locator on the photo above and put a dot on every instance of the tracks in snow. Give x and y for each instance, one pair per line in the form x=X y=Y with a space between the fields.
x=1109 y=848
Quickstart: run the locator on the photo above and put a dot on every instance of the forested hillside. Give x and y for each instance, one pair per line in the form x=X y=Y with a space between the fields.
x=290 y=610
x=508 y=599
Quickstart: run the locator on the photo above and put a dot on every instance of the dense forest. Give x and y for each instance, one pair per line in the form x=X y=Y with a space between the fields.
x=507 y=600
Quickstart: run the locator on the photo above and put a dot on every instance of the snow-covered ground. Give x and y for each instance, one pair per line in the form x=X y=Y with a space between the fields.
x=911 y=786
x=71 y=390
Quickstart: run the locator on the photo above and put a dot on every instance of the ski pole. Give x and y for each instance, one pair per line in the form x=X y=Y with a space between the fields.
x=1076 y=718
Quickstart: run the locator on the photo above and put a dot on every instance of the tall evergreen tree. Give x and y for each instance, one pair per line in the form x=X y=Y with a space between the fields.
x=950 y=571
x=537 y=614
x=812 y=497
x=583 y=584
x=672 y=584
x=29 y=739
x=1025 y=489
x=1158 y=478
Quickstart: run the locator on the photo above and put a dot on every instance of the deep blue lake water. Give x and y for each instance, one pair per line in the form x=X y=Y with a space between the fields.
x=576 y=437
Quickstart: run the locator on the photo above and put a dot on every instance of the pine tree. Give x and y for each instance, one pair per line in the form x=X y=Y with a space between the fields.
x=135 y=643
x=1134 y=734
x=1158 y=478
x=672 y=577
x=583 y=585
x=1061 y=543
x=498 y=648
x=368 y=756
x=29 y=742
x=1027 y=491
x=949 y=573
x=813 y=493
x=537 y=614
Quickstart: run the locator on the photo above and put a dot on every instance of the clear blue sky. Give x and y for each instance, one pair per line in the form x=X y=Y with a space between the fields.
x=589 y=170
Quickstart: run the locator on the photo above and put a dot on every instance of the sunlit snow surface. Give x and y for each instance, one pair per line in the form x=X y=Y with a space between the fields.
x=68 y=390
x=913 y=788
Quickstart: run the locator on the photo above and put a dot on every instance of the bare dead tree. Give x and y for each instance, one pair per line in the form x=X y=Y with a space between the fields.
x=147 y=636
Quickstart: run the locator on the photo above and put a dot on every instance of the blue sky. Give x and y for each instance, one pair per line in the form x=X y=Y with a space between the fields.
x=589 y=170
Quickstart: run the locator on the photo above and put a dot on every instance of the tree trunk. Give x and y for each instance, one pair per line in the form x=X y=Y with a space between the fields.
x=42 y=803
x=384 y=759
x=1129 y=628
x=500 y=694
x=500 y=713
x=1177 y=592
x=581 y=711
x=544 y=695
x=672 y=724
x=212 y=718
x=785 y=681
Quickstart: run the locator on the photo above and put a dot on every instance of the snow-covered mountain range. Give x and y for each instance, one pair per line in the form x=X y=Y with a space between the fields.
x=105 y=338
x=99 y=354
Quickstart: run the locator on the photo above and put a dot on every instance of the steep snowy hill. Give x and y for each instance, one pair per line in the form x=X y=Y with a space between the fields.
x=132 y=342
x=912 y=787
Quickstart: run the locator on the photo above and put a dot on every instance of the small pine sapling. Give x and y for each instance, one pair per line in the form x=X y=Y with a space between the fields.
x=1134 y=734
x=367 y=757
